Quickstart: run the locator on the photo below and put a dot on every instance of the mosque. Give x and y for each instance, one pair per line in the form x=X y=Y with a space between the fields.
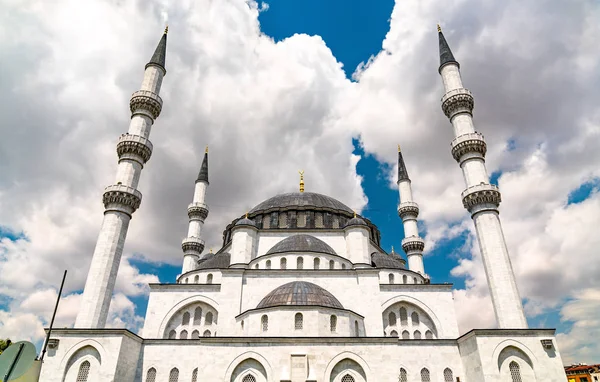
x=301 y=290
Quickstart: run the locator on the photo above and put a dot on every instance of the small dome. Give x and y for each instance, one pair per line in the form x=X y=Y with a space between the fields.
x=306 y=200
x=356 y=221
x=300 y=293
x=218 y=261
x=392 y=261
x=245 y=221
x=301 y=243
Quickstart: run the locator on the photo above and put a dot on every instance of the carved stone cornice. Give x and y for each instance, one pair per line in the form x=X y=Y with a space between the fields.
x=197 y=211
x=481 y=194
x=121 y=198
x=134 y=147
x=457 y=101
x=192 y=244
x=146 y=103
x=471 y=143
x=408 y=210
x=413 y=244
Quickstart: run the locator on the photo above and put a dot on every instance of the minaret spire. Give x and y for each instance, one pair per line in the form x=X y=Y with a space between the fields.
x=122 y=198
x=408 y=211
x=193 y=245
x=301 y=172
x=480 y=197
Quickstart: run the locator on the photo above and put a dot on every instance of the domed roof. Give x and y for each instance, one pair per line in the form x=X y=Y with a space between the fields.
x=356 y=221
x=301 y=243
x=218 y=261
x=382 y=260
x=300 y=293
x=245 y=221
x=301 y=199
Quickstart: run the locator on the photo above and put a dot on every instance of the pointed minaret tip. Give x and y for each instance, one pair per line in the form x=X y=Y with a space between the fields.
x=402 y=172
x=160 y=53
x=167 y=28
x=398 y=147
x=203 y=174
x=206 y=150
x=439 y=28
x=446 y=56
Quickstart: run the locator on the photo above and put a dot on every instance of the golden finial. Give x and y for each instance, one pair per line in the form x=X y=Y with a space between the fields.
x=398 y=147
x=354 y=213
x=211 y=250
x=392 y=248
x=439 y=28
x=206 y=150
x=301 y=172
x=167 y=29
x=246 y=215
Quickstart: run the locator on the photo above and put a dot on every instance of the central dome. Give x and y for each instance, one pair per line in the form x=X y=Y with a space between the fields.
x=300 y=293
x=301 y=243
x=306 y=200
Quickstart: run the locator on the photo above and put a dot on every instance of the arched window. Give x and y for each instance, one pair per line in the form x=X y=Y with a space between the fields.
x=186 y=280
x=206 y=333
x=515 y=371
x=405 y=335
x=283 y=263
x=197 y=316
x=429 y=335
x=394 y=334
x=268 y=264
x=317 y=263
x=425 y=377
x=403 y=375
x=414 y=317
x=356 y=328
x=417 y=335
x=414 y=280
x=392 y=319
x=186 y=319
x=403 y=316
x=448 y=376
x=343 y=266
x=195 y=375
x=404 y=279
x=174 y=375
x=300 y=263
x=84 y=372
x=249 y=378
x=151 y=375
x=264 y=321
x=347 y=378
x=195 y=334
x=391 y=278
x=208 y=319
x=196 y=278
x=333 y=323
x=209 y=278
x=256 y=266
x=298 y=321
x=331 y=264
x=183 y=335
x=172 y=334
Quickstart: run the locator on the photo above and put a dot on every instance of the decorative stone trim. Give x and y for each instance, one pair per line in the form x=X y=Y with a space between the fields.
x=481 y=194
x=468 y=143
x=146 y=102
x=413 y=244
x=198 y=211
x=192 y=244
x=457 y=101
x=134 y=145
x=408 y=210
x=119 y=195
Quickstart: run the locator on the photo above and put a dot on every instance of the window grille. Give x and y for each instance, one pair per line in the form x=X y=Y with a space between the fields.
x=206 y=333
x=208 y=320
x=249 y=378
x=429 y=335
x=186 y=319
x=183 y=335
x=405 y=335
x=403 y=375
x=331 y=264
x=300 y=263
x=298 y=321
x=283 y=263
x=347 y=378
x=197 y=316
x=268 y=264
x=209 y=278
x=515 y=371
x=392 y=319
x=195 y=334
x=425 y=377
x=391 y=278
x=174 y=375
x=403 y=317
x=414 y=317
x=151 y=375
x=417 y=335
x=448 y=375
x=394 y=334
x=265 y=323
x=84 y=372
x=333 y=323
x=195 y=375
x=172 y=334
x=317 y=263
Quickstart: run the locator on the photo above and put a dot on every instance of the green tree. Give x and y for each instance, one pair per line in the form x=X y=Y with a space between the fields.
x=4 y=344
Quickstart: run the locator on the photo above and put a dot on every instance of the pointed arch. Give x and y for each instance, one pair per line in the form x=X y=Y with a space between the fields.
x=249 y=359
x=425 y=375
x=448 y=375
x=174 y=375
x=84 y=371
x=151 y=375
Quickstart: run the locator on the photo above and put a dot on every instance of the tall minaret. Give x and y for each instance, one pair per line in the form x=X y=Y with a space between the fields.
x=193 y=245
x=122 y=198
x=408 y=211
x=480 y=197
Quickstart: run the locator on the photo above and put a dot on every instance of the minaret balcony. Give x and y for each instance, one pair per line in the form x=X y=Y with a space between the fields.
x=120 y=197
x=198 y=211
x=192 y=244
x=146 y=103
x=457 y=101
x=408 y=210
x=471 y=143
x=136 y=147
x=413 y=245
x=480 y=197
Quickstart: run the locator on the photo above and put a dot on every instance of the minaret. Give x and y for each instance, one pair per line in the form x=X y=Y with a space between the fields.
x=193 y=245
x=408 y=211
x=122 y=198
x=480 y=197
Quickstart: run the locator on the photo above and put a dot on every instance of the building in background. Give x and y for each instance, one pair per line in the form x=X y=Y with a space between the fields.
x=583 y=373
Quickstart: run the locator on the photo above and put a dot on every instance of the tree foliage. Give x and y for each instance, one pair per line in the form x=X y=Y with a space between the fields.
x=4 y=344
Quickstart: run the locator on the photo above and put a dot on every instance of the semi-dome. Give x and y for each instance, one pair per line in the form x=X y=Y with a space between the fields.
x=300 y=293
x=355 y=221
x=301 y=243
x=216 y=261
x=307 y=200
x=392 y=261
